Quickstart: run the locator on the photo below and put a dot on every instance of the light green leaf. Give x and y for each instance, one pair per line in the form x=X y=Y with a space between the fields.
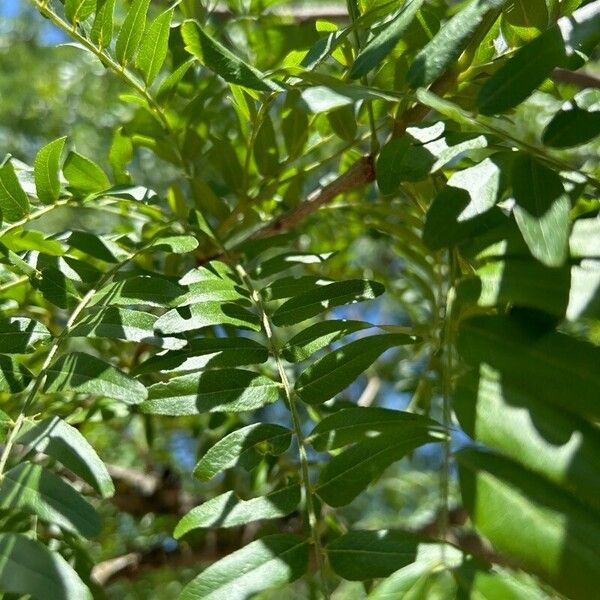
x=243 y=447
x=206 y=314
x=46 y=171
x=14 y=377
x=362 y=555
x=533 y=433
x=207 y=353
x=553 y=366
x=542 y=210
x=61 y=441
x=522 y=73
x=384 y=42
x=77 y=11
x=531 y=521
x=227 y=510
x=226 y=390
x=447 y=45
x=318 y=336
x=86 y=374
x=177 y=244
x=526 y=18
x=585 y=238
x=311 y=303
x=84 y=175
x=347 y=474
x=102 y=29
x=20 y=335
x=124 y=324
x=213 y=290
x=169 y=85
x=27 y=567
x=269 y=562
x=34 y=490
x=132 y=31
x=154 y=47
x=14 y=204
x=351 y=425
x=222 y=61
x=333 y=373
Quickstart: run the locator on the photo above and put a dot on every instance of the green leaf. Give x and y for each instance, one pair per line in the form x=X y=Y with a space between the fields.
x=154 y=47
x=581 y=33
x=86 y=374
x=521 y=514
x=447 y=45
x=526 y=18
x=102 y=29
x=333 y=373
x=32 y=489
x=143 y=290
x=169 y=85
x=19 y=335
x=176 y=244
x=553 y=366
x=222 y=61
x=57 y=288
x=227 y=510
x=29 y=568
x=518 y=282
x=351 y=425
x=206 y=314
x=226 y=390
x=522 y=73
x=362 y=555
x=286 y=287
x=384 y=41
x=132 y=31
x=311 y=303
x=526 y=429
x=14 y=377
x=572 y=127
x=47 y=169
x=61 y=441
x=84 y=175
x=318 y=336
x=14 y=204
x=347 y=474
x=269 y=562
x=266 y=152
x=124 y=324
x=213 y=290
x=77 y=11
x=244 y=447
x=288 y=260
x=542 y=210
x=206 y=353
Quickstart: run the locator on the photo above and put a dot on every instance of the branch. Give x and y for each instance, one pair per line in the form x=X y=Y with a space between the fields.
x=577 y=78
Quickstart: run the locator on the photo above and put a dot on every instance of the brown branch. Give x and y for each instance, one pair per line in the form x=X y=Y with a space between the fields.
x=576 y=78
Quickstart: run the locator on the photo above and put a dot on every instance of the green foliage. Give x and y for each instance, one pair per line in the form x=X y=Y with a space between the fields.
x=216 y=271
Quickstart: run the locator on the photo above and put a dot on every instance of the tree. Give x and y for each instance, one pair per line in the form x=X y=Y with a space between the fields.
x=322 y=239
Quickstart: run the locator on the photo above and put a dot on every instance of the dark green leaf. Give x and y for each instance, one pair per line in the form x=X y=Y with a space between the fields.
x=222 y=61
x=14 y=377
x=132 y=31
x=288 y=260
x=351 y=425
x=286 y=287
x=27 y=567
x=61 y=441
x=526 y=18
x=226 y=390
x=361 y=555
x=19 y=335
x=32 y=489
x=572 y=127
x=447 y=45
x=86 y=374
x=347 y=474
x=47 y=169
x=144 y=290
x=227 y=510
x=384 y=42
x=14 y=204
x=266 y=153
x=207 y=353
x=542 y=210
x=333 y=373
x=244 y=447
x=269 y=562
x=311 y=303
x=522 y=73
x=154 y=47
x=318 y=336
